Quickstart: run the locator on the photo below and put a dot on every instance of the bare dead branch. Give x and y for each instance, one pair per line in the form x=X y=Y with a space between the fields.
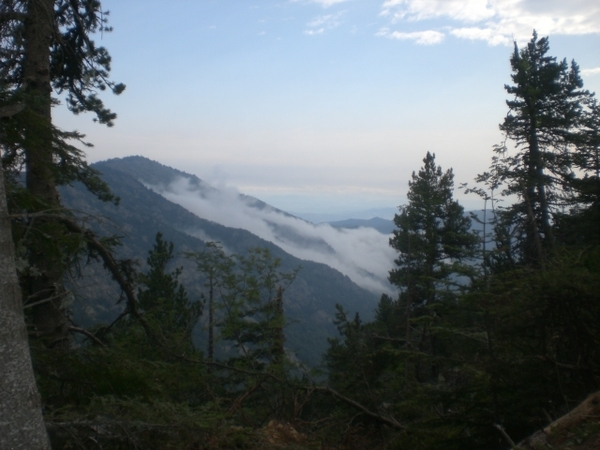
x=386 y=420
x=11 y=110
x=87 y=334
x=113 y=267
x=505 y=435
x=386 y=338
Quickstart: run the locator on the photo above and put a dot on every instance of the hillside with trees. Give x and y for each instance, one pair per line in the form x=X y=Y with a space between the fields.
x=309 y=302
x=483 y=347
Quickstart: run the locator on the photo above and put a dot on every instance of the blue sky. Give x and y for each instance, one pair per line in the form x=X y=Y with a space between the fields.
x=323 y=105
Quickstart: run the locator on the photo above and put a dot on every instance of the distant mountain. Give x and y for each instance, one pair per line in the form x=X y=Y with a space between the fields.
x=343 y=249
x=156 y=175
x=317 y=218
x=382 y=225
x=387 y=226
x=309 y=302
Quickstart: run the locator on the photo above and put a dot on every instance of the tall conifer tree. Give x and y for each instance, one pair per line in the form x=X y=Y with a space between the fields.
x=46 y=46
x=546 y=122
x=164 y=301
x=432 y=237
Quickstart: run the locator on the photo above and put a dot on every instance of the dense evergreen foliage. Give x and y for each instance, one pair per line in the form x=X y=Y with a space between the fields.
x=433 y=239
x=552 y=124
x=517 y=346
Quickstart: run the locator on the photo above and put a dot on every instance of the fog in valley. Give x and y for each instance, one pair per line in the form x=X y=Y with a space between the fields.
x=362 y=254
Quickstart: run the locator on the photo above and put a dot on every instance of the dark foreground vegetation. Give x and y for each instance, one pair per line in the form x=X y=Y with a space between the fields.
x=490 y=338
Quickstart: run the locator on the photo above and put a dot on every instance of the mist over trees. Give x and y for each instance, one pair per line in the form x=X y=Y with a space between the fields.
x=476 y=351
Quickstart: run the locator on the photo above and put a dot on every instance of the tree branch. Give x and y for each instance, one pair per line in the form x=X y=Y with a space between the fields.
x=87 y=334
x=113 y=267
x=505 y=435
x=7 y=16
x=11 y=110
x=386 y=420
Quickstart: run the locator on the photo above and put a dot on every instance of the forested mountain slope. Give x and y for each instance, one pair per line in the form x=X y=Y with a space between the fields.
x=323 y=243
x=309 y=302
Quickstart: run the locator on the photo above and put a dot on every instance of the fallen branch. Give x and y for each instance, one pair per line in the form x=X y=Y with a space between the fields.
x=325 y=389
x=505 y=435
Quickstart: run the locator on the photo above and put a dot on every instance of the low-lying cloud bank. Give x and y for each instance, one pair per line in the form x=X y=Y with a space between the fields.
x=362 y=254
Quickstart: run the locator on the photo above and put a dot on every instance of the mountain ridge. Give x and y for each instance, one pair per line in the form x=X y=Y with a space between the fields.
x=309 y=301
x=363 y=254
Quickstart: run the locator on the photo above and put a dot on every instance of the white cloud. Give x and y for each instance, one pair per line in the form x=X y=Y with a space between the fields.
x=493 y=37
x=322 y=23
x=329 y=19
x=500 y=21
x=463 y=10
x=328 y=3
x=323 y=3
x=590 y=72
x=428 y=37
x=320 y=243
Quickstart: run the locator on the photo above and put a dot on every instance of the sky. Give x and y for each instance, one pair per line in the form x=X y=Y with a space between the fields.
x=323 y=106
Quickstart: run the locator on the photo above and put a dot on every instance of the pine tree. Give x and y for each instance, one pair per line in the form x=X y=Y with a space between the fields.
x=213 y=263
x=250 y=303
x=434 y=241
x=579 y=225
x=164 y=302
x=546 y=122
x=247 y=294
x=432 y=238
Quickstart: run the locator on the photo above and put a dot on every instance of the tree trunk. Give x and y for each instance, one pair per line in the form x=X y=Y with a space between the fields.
x=211 y=316
x=537 y=182
x=21 y=422
x=46 y=288
x=277 y=349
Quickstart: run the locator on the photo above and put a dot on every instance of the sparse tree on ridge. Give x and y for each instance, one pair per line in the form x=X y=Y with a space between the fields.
x=212 y=263
x=247 y=295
